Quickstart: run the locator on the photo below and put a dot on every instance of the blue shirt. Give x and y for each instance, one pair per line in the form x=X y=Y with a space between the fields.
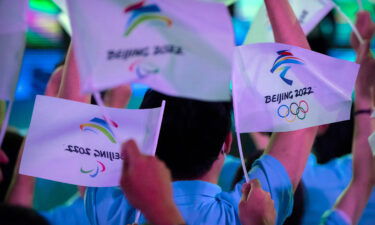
x=228 y=172
x=334 y=217
x=73 y=213
x=324 y=183
x=199 y=202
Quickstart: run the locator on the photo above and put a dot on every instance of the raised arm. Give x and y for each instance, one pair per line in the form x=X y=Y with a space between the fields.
x=285 y=25
x=21 y=191
x=64 y=83
x=118 y=97
x=290 y=148
x=70 y=84
x=146 y=182
x=354 y=199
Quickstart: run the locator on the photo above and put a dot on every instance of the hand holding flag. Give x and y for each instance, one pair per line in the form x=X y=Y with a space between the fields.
x=146 y=182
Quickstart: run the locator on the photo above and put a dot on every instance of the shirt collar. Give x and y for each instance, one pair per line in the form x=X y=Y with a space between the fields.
x=195 y=187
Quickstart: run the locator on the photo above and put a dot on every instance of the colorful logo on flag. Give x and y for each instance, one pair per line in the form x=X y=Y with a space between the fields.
x=143 y=69
x=141 y=13
x=101 y=125
x=94 y=172
x=285 y=57
x=293 y=111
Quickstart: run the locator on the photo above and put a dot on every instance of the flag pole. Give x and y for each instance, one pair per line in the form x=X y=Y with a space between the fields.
x=137 y=216
x=5 y=122
x=360 y=5
x=242 y=158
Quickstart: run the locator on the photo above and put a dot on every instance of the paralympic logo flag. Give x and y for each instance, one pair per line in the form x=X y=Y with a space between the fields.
x=309 y=13
x=79 y=146
x=142 y=13
x=179 y=48
x=278 y=87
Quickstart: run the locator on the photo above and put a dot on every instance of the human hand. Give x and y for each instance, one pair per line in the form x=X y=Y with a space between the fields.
x=3 y=160
x=146 y=182
x=256 y=206
x=365 y=27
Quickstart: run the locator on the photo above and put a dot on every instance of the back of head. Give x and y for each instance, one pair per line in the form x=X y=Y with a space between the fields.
x=192 y=133
x=17 y=215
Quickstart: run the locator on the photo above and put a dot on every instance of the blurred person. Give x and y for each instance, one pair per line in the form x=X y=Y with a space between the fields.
x=349 y=206
x=324 y=183
x=146 y=181
x=337 y=173
x=10 y=147
x=64 y=83
x=194 y=139
x=18 y=215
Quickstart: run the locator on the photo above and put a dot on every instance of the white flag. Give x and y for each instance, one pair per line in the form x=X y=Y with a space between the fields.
x=309 y=13
x=71 y=142
x=278 y=87
x=180 y=48
x=12 y=44
x=13 y=16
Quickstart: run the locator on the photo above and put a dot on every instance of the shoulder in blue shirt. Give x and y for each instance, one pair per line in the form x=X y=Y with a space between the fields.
x=199 y=202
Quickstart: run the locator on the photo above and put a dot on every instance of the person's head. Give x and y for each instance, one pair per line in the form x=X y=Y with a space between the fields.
x=17 y=215
x=193 y=134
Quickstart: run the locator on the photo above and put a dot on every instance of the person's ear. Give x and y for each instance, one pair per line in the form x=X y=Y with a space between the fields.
x=228 y=143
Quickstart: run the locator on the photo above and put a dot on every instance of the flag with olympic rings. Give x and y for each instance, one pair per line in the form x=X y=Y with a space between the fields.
x=278 y=87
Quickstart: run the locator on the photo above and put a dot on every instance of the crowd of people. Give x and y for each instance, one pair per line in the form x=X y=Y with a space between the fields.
x=180 y=184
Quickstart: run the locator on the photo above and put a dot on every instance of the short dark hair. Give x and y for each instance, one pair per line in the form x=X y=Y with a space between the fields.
x=18 y=215
x=192 y=133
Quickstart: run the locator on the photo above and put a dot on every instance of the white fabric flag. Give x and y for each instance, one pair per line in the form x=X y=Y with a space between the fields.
x=77 y=145
x=309 y=13
x=12 y=44
x=278 y=87
x=13 y=16
x=180 y=48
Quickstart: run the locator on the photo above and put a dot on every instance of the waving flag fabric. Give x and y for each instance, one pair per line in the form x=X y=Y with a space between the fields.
x=80 y=146
x=308 y=12
x=278 y=87
x=12 y=44
x=180 y=48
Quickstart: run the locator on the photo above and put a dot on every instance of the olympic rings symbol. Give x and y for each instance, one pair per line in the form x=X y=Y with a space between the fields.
x=293 y=111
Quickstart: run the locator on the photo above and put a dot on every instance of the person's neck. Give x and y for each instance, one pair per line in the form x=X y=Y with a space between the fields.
x=212 y=176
